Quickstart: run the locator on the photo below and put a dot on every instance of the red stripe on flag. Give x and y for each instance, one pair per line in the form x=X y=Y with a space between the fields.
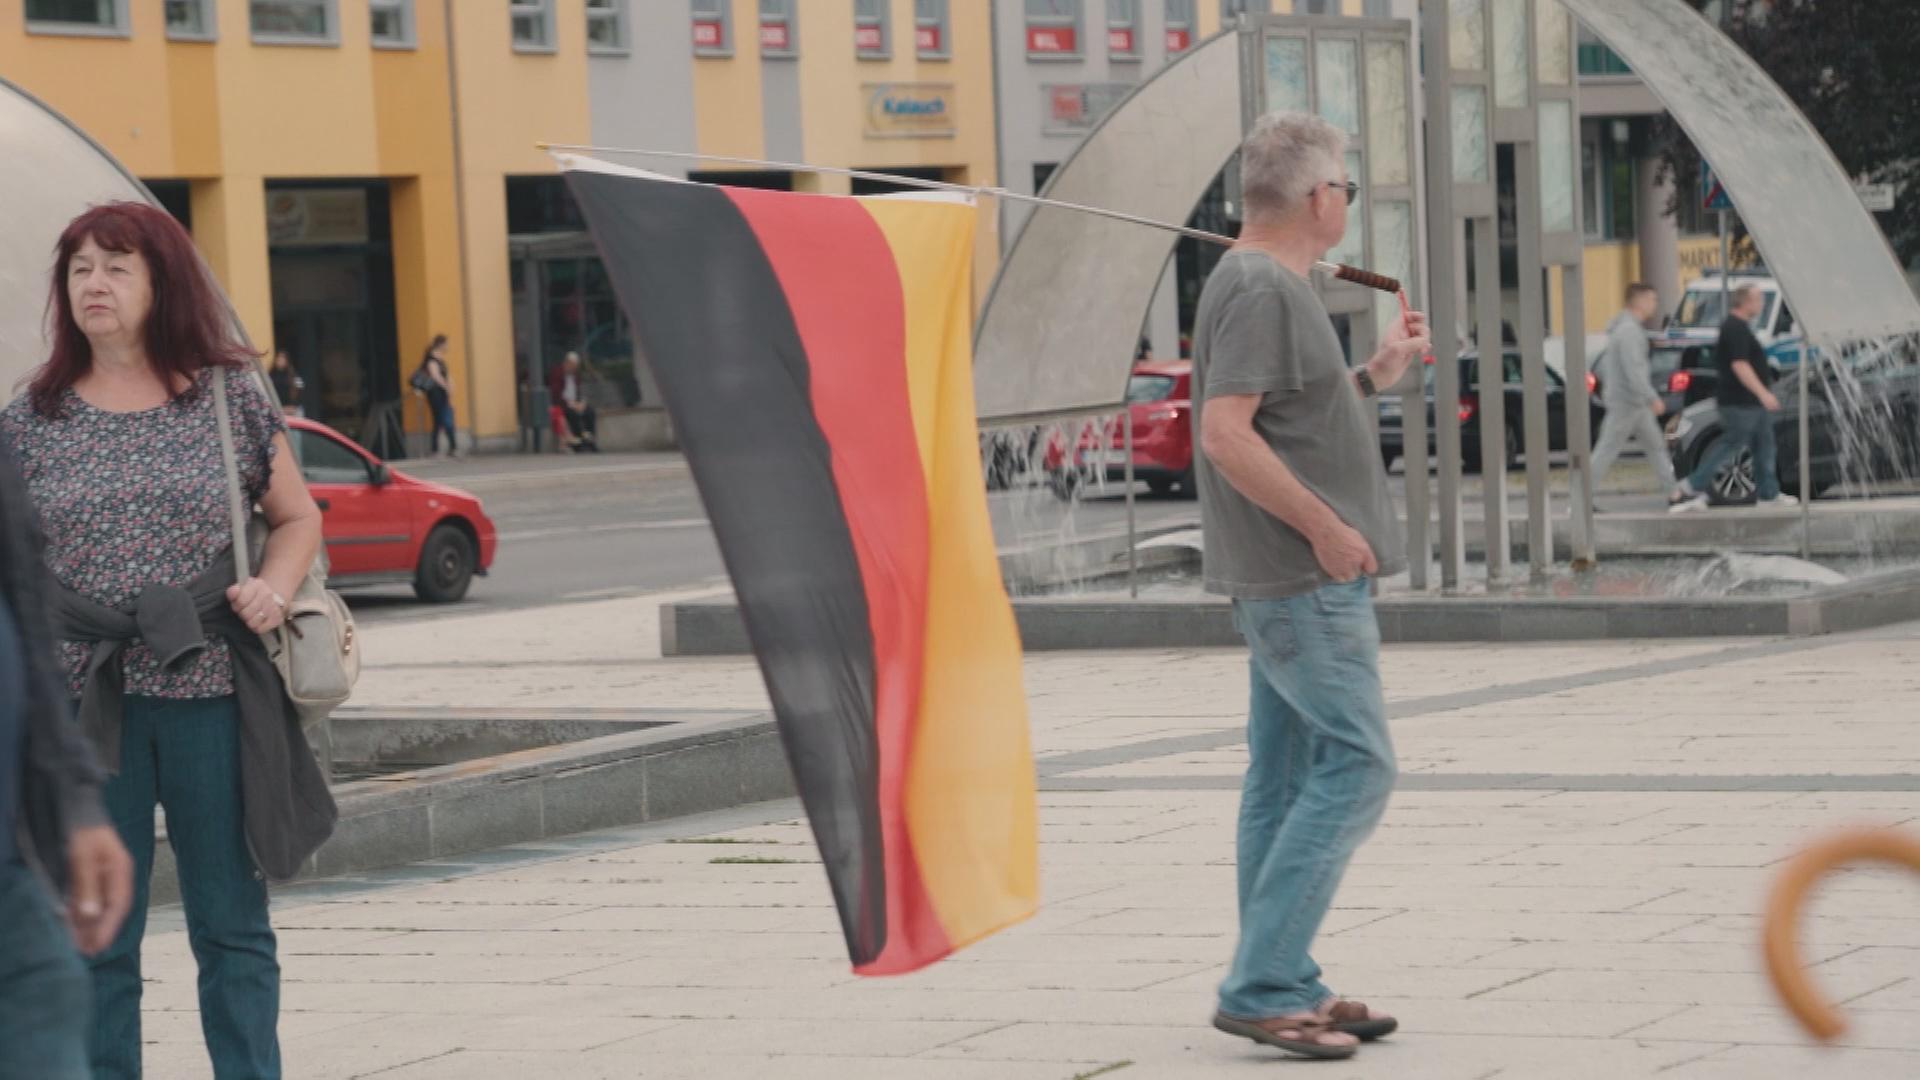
x=841 y=284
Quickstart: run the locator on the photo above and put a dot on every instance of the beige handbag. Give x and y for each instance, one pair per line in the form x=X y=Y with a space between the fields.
x=315 y=648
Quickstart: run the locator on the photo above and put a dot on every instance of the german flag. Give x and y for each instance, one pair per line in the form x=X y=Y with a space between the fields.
x=814 y=354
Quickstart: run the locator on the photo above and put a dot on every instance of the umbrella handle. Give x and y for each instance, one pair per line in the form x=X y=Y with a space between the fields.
x=1778 y=928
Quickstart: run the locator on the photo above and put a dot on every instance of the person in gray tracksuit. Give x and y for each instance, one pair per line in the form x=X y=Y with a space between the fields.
x=1633 y=405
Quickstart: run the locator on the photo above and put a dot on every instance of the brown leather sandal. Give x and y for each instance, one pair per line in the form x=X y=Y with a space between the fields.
x=1355 y=1019
x=1294 y=1035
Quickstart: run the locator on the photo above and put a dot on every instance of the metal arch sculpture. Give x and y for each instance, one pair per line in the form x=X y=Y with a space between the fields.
x=1058 y=332
x=1796 y=201
x=54 y=172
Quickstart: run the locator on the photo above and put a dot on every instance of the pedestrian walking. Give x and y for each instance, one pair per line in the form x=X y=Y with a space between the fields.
x=121 y=449
x=435 y=380
x=66 y=889
x=1297 y=518
x=287 y=383
x=569 y=391
x=1745 y=396
x=1634 y=406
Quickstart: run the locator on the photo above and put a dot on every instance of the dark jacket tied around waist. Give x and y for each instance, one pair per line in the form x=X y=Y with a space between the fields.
x=289 y=811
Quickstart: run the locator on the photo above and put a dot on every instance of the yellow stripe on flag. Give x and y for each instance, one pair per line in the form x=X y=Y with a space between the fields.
x=970 y=781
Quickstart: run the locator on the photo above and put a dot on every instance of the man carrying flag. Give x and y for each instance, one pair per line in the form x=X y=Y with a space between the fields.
x=1297 y=518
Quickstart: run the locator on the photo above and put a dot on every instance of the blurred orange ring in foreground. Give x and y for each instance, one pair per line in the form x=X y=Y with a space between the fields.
x=1780 y=927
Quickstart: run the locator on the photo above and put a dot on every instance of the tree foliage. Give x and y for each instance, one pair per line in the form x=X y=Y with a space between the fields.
x=1853 y=67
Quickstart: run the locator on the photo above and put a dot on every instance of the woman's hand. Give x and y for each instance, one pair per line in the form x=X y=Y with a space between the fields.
x=262 y=609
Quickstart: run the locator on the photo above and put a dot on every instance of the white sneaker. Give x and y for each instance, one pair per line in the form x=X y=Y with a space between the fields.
x=1683 y=500
x=1779 y=501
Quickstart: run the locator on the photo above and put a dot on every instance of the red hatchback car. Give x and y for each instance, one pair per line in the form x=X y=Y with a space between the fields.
x=383 y=527
x=1160 y=397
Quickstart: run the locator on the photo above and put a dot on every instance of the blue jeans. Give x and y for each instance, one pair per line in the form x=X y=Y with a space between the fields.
x=185 y=755
x=1743 y=427
x=441 y=405
x=43 y=985
x=1319 y=773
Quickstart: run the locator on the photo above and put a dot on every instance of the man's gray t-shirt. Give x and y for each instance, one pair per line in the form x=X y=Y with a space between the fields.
x=1261 y=330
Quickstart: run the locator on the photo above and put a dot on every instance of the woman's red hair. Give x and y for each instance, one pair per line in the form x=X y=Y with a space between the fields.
x=188 y=328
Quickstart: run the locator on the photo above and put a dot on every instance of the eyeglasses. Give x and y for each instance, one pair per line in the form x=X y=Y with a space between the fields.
x=1351 y=188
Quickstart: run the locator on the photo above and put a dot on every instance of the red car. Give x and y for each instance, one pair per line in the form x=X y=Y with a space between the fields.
x=1160 y=397
x=383 y=527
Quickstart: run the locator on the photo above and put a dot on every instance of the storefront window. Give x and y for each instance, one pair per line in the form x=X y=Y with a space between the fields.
x=392 y=23
x=532 y=25
x=712 y=28
x=1179 y=26
x=190 y=20
x=1123 y=29
x=607 y=26
x=930 y=30
x=870 y=38
x=777 y=33
x=298 y=22
x=77 y=15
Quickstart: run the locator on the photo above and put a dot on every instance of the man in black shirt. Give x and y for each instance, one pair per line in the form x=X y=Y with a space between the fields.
x=1746 y=403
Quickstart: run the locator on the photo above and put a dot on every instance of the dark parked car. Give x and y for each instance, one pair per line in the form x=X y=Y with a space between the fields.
x=1871 y=436
x=1392 y=438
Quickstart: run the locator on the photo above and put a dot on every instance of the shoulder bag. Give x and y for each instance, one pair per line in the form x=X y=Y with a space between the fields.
x=315 y=647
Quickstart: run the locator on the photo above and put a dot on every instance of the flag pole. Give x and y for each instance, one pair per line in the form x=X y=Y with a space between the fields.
x=903 y=181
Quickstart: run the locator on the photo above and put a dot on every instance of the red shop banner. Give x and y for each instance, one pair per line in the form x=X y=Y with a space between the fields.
x=927 y=39
x=709 y=34
x=1178 y=41
x=1052 y=40
x=776 y=37
x=1120 y=42
x=868 y=37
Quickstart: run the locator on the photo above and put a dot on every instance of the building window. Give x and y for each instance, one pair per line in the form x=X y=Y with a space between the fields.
x=293 y=22
x=78 y=16
x=1053 y=28
x=1233 y=9
x=1179 y=26
x=1608 y=210
x=1315 y=7
x=607 y=26
x=1595 y=59
x=712 y=30
x=777 y=32
x=871 y=41
x=190 y=20
x=1123 y=29
x=392 y=22
x=930 y=30
x=532 y=25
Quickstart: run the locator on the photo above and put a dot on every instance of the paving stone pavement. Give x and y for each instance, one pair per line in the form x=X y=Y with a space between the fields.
x=1566 y=885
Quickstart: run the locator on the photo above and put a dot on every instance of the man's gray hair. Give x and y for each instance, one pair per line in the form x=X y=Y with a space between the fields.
x=1283 y=158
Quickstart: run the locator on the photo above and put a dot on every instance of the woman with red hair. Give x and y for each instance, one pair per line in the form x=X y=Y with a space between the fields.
x=119 y=442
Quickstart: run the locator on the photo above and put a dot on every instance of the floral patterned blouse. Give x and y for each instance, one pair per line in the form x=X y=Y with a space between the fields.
x=129 y=500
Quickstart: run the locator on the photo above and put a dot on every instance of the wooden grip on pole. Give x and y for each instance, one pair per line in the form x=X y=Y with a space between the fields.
x=1366 y=277
x=1779 y=927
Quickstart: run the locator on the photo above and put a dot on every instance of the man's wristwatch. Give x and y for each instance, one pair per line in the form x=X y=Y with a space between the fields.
x=1365 y=378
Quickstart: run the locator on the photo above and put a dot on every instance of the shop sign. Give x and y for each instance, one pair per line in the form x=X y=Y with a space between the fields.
x=909 y=110
x=1073 y=109
x=1052 y=41
x=313 y=217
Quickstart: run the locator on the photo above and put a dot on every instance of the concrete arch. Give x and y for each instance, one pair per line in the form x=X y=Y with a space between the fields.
x=1796 y=201
x=54 y=172
x=1059 y=328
